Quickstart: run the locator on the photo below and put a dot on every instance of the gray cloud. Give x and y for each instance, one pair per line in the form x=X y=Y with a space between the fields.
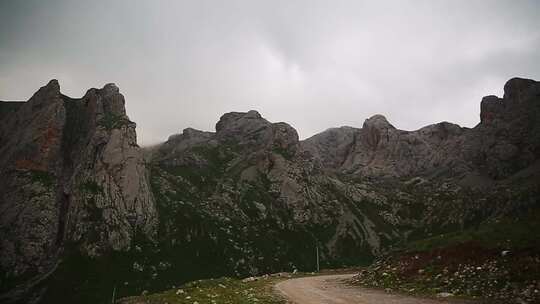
x=314 y=64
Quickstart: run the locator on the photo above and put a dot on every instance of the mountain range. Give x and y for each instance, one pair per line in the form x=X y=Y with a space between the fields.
x=84 y=209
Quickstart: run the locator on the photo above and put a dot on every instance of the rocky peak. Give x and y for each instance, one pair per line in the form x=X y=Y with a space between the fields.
x=519 y=99
x=72 y=173
x=52 y=87
x=285 y=137
x=244 y=128
x=192 y=133
x=376 y=129
x=240 y=120
x=179 y=142
x=517 y=92
x=248 y=131
x=113 y=101
x=333 y=136
x=47 y=94
x=332 y=146
x=107 y=100
x=441 y=131
x=110 y=89
x=377 y=121
x=29 y=136
x=189 y=133
x=253 y=114
x=491 y=108
x=507 y=140
x=519 y=88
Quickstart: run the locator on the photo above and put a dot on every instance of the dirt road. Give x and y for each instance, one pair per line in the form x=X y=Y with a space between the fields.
x=332 y=289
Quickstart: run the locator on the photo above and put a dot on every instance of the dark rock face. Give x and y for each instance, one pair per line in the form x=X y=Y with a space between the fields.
x=72 y=173
x=7 y=108
x=31 y=154
x=507 y=139
x=491 y=108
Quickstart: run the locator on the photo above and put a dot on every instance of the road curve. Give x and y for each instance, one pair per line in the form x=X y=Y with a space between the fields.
x=332 y=289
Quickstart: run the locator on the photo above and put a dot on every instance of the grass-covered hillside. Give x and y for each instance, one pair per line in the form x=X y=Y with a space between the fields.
x=499 y=262
x=212 y=291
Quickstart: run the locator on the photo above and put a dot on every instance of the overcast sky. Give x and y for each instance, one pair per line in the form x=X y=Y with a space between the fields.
x=313 y=64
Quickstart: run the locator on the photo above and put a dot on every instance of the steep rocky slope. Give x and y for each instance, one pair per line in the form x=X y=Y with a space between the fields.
x=249 y=198
x=499 y=261
x=72 y=173
x=353 y=191
x=249 y=187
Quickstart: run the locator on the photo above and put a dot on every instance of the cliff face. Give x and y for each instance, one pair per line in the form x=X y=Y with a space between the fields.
x=508 y=137
x=72 y=173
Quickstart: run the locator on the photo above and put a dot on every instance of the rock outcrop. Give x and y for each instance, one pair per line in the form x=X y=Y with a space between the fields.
x=508 y=137
x=72 y=175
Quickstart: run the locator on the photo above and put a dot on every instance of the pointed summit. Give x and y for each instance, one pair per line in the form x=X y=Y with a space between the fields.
x=110 y=89
x=378 y=121
x=47 y=94
x=53 y=85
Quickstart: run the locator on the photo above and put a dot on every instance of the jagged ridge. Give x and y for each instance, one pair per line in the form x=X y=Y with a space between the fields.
x=250 y=197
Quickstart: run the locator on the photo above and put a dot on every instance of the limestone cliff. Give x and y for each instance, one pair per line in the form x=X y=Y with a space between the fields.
x=72 y=174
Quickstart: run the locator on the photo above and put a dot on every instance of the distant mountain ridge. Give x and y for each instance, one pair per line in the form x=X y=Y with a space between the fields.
x=249 y=198
x=505 y=141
